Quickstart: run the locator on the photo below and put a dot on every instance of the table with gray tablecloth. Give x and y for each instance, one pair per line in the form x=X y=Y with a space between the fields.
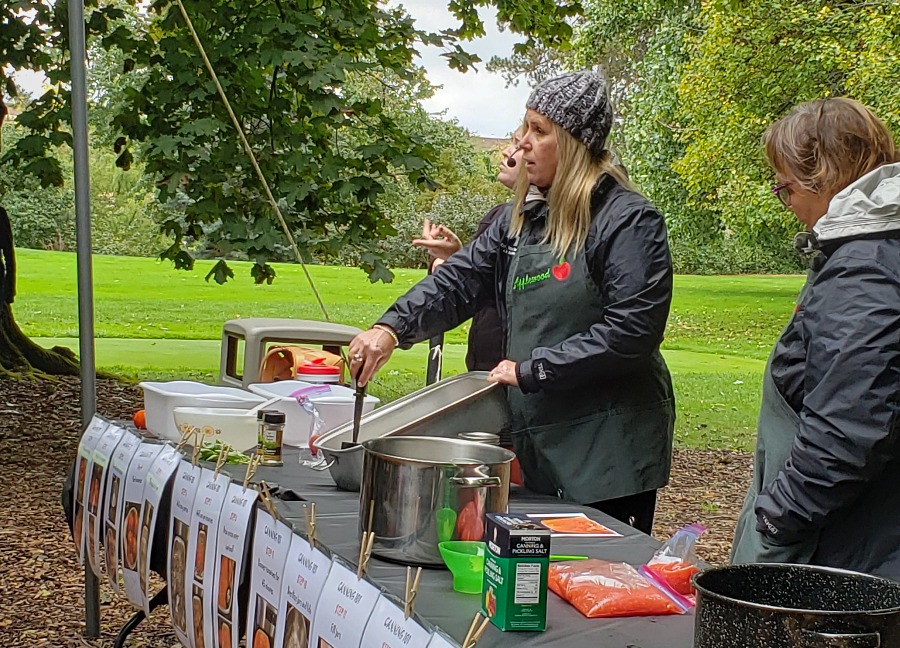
x=338 y=530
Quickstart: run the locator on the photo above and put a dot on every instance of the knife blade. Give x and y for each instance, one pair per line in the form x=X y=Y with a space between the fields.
x=359 y=400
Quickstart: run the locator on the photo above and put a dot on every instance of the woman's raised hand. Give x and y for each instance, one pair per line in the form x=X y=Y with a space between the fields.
x=439 y=240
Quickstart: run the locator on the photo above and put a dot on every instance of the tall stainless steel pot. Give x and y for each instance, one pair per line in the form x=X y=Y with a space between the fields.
x=423 y=490
x=795 y=606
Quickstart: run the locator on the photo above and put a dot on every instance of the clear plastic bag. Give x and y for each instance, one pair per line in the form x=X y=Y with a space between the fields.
x=309 y=455
x=676 y=561
x=598 y=588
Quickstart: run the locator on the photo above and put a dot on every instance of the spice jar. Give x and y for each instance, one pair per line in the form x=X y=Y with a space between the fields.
x=271 y=434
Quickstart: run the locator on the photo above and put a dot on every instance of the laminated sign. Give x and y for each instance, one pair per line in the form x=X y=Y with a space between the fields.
x=271 y=543
x=344 y=609
x=82 y=494
x=441 y=640
x=184 y=490
x=233 y=534
x=130 y=530
x=102 y=454
x=114 y=504
x=387 y=628
x=305 y=572
x=202 y=557
x=158 y=478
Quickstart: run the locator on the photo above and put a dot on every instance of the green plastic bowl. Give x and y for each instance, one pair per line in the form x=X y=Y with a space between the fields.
x=465 y=560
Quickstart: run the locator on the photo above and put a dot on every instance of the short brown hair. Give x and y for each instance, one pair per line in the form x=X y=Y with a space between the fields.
x=828 y=144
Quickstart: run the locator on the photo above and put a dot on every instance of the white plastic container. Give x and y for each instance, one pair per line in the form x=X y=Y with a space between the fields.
x=161 y=398
x=316 y=372
x=234 y=427
x=335 y=408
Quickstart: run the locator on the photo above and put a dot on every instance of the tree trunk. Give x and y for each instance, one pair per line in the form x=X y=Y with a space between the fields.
x=18 y=354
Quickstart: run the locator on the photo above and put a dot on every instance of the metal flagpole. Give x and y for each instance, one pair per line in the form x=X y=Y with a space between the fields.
x=78 y=53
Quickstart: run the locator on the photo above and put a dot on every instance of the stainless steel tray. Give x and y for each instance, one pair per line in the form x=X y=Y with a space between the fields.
x=463 y=403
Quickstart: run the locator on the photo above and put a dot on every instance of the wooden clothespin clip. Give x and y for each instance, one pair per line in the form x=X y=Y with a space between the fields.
x=309 y=514
x=251 y=470
x=411 y=590
x=198 y=445
x=475 y=631
x=267 y=500
x=220 y=461
x=185 y=437
x=365 y=552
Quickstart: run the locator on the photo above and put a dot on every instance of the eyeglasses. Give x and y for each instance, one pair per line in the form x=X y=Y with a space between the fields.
x=783 y=193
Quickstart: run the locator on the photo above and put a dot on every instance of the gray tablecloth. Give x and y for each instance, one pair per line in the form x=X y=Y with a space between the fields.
x=338 y=529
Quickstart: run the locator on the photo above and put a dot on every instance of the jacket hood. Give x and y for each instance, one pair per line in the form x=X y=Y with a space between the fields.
x=866 y=208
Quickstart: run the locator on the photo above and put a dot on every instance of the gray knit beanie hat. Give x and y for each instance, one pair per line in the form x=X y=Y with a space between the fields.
x=577 y=102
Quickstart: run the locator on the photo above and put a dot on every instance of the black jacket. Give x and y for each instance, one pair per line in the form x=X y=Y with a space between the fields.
x=837 y=364
x=628 y=255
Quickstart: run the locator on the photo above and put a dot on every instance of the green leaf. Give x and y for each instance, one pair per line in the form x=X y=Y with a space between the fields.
x=220 y=272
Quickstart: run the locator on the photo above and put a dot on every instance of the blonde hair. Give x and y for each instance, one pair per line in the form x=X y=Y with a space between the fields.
x=569 y=197
x=828 y=144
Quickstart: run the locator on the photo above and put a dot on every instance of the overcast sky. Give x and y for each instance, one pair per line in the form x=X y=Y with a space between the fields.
x=478 y=100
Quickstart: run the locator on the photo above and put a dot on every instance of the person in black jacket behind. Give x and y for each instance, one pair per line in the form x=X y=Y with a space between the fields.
x=826 y=478
x=485 y=341
x=583 y=282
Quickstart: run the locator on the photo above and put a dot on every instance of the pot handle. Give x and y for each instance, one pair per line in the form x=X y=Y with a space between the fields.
x=476 y=482
x=812 y=639
x=325 y=465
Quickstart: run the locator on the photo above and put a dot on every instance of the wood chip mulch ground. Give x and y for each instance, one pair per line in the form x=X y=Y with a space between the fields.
x=41 y=584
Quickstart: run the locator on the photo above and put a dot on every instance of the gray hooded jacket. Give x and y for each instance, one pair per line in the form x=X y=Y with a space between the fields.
x=837 y=364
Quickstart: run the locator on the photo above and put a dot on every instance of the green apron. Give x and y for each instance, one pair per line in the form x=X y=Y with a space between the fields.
x=607 y=438
x=777 y=428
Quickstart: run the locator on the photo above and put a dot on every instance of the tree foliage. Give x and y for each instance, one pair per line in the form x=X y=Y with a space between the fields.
x=696 y=84
x=288 y=67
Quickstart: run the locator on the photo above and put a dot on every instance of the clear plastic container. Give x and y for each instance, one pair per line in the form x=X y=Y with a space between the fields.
x=317 y=372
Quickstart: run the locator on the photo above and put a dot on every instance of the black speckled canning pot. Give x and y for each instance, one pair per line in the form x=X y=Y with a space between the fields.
x=795 y=606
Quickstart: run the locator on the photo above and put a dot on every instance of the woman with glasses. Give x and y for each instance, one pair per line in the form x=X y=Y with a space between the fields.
x=826 y=479
x=583 y=282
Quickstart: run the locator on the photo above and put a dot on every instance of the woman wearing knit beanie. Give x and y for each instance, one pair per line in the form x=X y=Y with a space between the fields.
x=583 y=282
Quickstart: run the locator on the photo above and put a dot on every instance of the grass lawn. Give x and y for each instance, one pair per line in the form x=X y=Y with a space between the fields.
x=153 y=322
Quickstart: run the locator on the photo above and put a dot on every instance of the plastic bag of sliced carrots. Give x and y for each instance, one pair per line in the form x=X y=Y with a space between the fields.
x=598 y=588
x=676 y=561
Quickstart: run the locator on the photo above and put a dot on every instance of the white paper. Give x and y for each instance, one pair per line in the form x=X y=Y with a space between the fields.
x=305 y=572
x=160 y=474
x=184 y=489
x=387 y=628
x=233 y=537
x=130 y=529
x=102 y=454
x=202 y=557
x=271 y=543
x=441 y=640
x=82 y=495
x=344 y=609
x=113 y=505
x=602 y=531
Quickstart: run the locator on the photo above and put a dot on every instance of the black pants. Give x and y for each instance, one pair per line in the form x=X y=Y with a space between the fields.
x=635 y=510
